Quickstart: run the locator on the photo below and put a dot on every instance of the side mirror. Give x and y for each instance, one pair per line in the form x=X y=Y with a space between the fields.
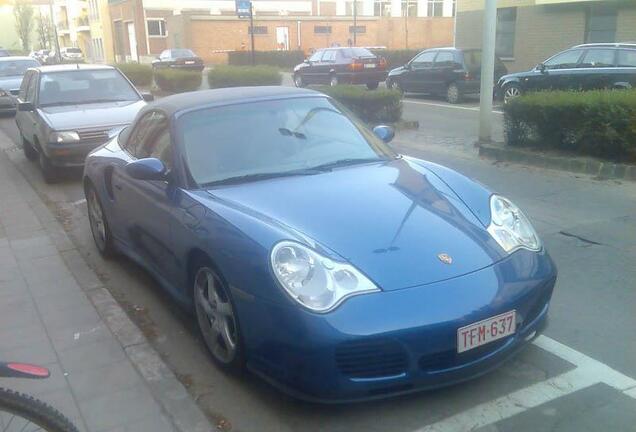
x=385 y=133
x=148 y=97
x=407 y=66
x=147 y=169
x=541 y=67
x=306 y=61
x=25 y=106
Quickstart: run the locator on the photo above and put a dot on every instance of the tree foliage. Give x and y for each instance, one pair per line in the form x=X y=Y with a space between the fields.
x=44 y=30
x=23 y=14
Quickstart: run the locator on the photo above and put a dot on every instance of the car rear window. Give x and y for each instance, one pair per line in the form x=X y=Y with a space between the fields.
x=182 y=53
x=626 y=58
x=356 y=52
x=472 y=60
x=16 y=67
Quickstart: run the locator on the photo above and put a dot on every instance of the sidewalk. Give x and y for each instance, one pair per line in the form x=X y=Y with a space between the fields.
x=55 y=312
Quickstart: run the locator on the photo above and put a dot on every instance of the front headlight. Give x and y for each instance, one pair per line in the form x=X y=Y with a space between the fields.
x=510 y=227
x=64 y=137
x=315 y=281
x=3 y=93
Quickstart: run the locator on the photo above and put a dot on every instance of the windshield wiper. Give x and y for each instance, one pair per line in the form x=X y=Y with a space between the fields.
x=261 y=176
x=346 y=162
x=62 y=103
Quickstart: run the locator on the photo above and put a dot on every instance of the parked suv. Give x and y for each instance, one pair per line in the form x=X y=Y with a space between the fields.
x=71 y=55
x=451 y=72
x=583 y=67
x=335 y=66
x=65 y=111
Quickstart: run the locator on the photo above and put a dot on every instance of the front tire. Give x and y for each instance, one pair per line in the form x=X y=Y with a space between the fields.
x=373 y=85
x=511 y=91
x=99 y=225
x=333 y=80
x=22 y=410
x=453 y=94
x=217 y=318
x=298 y=80
x=49 y=172
x=29 y=152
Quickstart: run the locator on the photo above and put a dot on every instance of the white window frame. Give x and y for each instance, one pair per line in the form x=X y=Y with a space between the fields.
x=164 y=26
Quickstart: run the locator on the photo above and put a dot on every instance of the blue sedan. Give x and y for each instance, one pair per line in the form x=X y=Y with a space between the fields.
x=311 y=252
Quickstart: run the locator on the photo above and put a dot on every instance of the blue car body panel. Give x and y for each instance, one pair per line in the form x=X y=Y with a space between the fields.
x=389 y=219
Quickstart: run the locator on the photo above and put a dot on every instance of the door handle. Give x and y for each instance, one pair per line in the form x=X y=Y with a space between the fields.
x=118 y=186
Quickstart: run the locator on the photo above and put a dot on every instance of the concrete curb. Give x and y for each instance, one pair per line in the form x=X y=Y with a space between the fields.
x=582 y=165
x=167 y=390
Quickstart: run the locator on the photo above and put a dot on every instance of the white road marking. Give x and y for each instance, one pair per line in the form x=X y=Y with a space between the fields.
x=446 y=105
x=79 y=202
x=587 y=373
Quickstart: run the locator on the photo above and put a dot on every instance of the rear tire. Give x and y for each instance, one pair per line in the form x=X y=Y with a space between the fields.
x=49 y=172
x=29 y=152
x=25 y=409
x=100 y=228
x=373 y=85
x=333 y=80
x=453 y=94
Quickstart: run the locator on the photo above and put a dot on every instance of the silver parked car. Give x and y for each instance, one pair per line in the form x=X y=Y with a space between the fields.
x=65 y=111
x=12 y=70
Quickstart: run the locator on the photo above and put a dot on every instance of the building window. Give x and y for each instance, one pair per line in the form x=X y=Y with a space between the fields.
x=435 y=8
x=157 y=28
x=322 y=29
x=382 y=8
x=454 y=8
x=349 y=8
x=258 y=30
x=600 y=24
x=506 y=23
x=357 y=29
x=409 y=8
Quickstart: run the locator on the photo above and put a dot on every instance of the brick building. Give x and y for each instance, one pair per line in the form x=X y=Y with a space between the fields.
x=529 y=31
x=143 y=28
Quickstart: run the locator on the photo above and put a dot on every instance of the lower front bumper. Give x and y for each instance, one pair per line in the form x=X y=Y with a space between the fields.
x=7 y=104
x=395 y=342
x=362 y=77
x=69 y=155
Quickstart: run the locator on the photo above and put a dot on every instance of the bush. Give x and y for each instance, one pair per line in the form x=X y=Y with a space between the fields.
x=397 y=58
x=139 y=74
x=178 y=81
x=239 y=76
x=371 y=106
x=598 y=123
x=281 y=59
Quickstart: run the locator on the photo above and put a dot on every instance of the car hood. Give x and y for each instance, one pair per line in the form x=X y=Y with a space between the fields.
x=391 y=220
x=397 y=71
x=10 y=82
x=518 y=75
x=91 y=115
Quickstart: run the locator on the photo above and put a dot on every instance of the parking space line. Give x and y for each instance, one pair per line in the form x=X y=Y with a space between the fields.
x=446 y=106
x=587 y=373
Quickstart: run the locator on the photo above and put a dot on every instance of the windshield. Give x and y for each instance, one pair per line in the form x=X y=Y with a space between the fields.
x=16 y=67
x=182 y=53
x=280 y=136
x=85 y=86
x=356 y=52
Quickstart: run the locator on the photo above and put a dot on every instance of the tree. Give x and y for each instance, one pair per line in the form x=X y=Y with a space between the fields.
x=44 y=31
x=23 y=14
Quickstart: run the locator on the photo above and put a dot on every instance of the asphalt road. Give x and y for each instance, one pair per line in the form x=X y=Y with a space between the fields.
x=580 y=377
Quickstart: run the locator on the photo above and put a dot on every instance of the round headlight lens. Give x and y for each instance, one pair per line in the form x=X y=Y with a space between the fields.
x=510 y=227
x=313 y=280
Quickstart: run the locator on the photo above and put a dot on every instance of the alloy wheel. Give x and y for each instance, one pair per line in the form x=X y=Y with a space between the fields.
x=96 y=220
x=333 y=81
x=215 y=314
x=511 y=92
x=298 y=80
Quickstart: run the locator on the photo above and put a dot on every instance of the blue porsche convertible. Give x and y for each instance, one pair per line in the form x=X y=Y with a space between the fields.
x=310 y=251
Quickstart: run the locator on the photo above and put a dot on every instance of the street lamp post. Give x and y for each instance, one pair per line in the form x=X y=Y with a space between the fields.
x=57 y=42
x=355 y=22
x=487 y=71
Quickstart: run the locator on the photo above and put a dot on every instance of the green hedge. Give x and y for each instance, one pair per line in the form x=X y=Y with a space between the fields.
x=281 y=59
x=397 y=58
x=238 y=76
x=178 y=81
x=139 y=74
x=371 y=106
x=598 y=123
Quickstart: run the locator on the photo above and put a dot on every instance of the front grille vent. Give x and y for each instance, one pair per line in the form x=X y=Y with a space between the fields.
x=371 y=358
x=100 y=135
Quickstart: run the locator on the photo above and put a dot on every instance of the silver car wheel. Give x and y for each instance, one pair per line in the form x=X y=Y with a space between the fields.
x=96 y=219
x=215 y=315
x=511 y=92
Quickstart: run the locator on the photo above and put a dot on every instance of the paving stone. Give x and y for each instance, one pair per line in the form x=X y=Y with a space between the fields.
x=91 y=356
x=52 y=303
x=64 y=338
x=21 y=337
x=86 y=277
x=14 y=287
x=62 y=287
x=41 y=353
x=118 y=409
x=17 y=311
x=48 y=269
x=35 y=247
x=153 y=423
x=108 y=379
x=78 y=320
x=120 y=324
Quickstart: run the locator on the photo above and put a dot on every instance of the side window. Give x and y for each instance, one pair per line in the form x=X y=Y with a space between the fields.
x=330 y=56
x=626 y=58
x=162 y=148
x=424 y=60
x=156 y=142
x=316 y=56
x=25 y=85
x=165 y=54
x=565 y=60
x=444 y=59
x=598 y=58
x=31 y=88
x=138 y=134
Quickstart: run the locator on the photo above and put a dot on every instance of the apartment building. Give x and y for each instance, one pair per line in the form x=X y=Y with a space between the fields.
x=143 y=28
x=529 y=31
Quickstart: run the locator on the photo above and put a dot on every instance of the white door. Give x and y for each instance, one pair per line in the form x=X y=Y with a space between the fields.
x=282 y=38
x=132 y=39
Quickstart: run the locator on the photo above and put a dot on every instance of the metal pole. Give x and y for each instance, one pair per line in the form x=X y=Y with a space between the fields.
x=252 y=32
x=355 y=22
x=406 y=26
x=57 y=42
x=487 y=71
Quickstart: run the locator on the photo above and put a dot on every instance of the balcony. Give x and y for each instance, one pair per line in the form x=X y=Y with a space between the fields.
x=62 y=27
x=82 y=24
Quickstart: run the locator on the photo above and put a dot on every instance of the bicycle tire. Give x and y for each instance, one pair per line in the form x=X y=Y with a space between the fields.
x=35 y=411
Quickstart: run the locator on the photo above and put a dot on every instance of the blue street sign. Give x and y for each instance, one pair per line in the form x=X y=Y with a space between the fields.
x=243 y=8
